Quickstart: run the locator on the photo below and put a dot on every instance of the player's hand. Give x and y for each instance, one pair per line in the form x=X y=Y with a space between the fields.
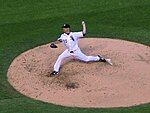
x=83 y=23
x=53 y=45
x=83 y=28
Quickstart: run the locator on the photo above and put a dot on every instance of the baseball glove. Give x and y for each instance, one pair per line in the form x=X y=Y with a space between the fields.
x=53 y=45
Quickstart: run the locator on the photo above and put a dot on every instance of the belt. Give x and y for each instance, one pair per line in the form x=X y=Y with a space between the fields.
x=73 y=51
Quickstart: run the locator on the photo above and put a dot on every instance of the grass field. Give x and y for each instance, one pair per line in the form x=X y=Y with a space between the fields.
x=25 y=24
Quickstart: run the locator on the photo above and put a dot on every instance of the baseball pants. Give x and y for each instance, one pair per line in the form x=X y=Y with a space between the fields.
x=76 y=54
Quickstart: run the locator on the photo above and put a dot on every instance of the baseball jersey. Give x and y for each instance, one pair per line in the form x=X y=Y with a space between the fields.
x=71 y=40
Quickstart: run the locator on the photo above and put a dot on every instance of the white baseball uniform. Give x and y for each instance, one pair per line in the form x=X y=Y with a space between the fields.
x=72 y=49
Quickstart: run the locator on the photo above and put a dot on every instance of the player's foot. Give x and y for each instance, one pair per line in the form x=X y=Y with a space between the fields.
x=101 y=59
x=54 y=73
x=109 y=61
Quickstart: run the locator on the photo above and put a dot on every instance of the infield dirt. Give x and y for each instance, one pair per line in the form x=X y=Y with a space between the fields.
x=79 y=84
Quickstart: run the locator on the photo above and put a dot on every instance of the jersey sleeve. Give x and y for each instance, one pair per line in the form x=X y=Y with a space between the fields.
x=78 y=35
x=60 y=38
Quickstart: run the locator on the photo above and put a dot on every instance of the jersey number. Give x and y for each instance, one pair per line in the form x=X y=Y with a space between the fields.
x=65 y=41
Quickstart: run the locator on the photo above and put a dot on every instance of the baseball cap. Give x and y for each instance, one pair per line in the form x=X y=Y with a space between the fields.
x=66 y=26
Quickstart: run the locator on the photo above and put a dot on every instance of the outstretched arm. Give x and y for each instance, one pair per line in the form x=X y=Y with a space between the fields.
x=57 y=41
x=83 y=28
x=53 y=44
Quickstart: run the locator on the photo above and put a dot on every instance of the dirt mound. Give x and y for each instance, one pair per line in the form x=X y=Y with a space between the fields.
x=93 y=84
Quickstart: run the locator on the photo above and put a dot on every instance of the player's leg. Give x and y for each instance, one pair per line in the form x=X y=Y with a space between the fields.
x=61 y=57
x=81 y=56
x=78 y=54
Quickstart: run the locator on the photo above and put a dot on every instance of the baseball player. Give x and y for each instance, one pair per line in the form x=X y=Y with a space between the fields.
x=70 y=40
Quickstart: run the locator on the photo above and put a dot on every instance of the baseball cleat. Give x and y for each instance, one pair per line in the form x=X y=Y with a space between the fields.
x=54 y=73
x=101 y=59
x=109 y=61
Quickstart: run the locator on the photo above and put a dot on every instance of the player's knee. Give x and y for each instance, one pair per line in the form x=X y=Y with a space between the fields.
x=61 y=57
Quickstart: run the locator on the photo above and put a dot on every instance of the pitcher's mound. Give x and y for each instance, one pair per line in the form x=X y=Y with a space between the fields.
x=94 y=84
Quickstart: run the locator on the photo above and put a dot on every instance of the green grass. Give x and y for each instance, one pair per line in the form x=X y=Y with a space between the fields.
x=25 y=24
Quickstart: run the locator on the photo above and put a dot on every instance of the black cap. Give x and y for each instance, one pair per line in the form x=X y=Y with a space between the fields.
x=66 y=26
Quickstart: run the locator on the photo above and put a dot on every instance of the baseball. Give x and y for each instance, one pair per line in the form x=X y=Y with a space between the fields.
x=83 y=22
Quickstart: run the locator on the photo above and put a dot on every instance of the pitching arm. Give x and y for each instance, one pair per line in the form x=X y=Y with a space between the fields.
x=83 y=28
